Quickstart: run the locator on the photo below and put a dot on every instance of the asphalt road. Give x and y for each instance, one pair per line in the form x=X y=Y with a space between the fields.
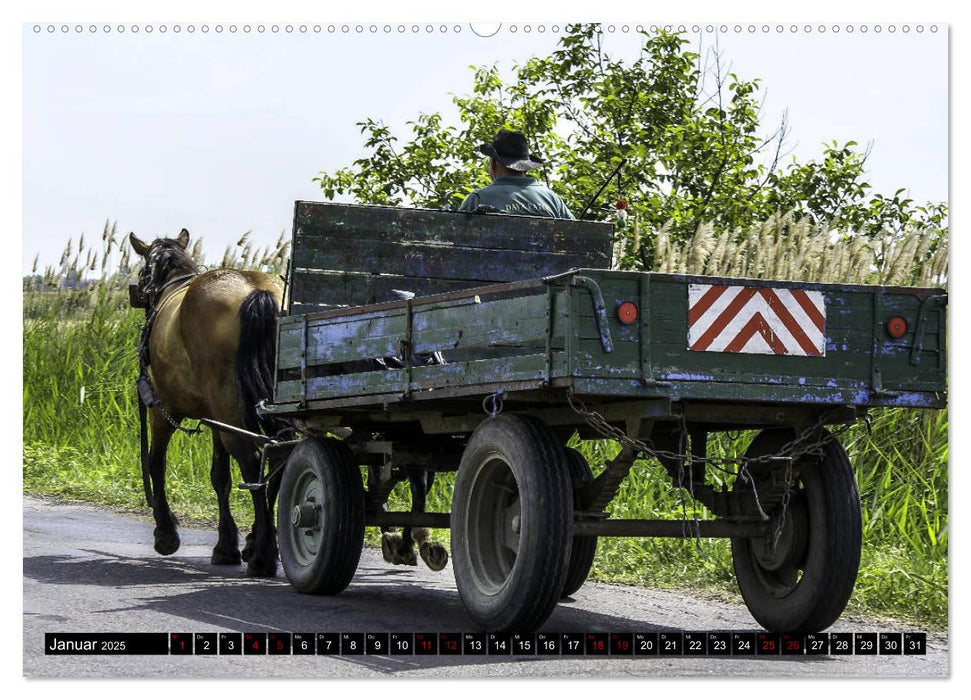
x=89 y=570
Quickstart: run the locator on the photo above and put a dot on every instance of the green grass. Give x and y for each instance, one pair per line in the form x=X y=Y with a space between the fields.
x=81 y=442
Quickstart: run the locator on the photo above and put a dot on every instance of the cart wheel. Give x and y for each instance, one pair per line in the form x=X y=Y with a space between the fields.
x=320 y=520
x=803 y=584
x=512 y=524
x=584 y=546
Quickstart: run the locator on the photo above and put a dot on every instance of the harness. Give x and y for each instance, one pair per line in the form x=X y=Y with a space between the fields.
x=147 y=398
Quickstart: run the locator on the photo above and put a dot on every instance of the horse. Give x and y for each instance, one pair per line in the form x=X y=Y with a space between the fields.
x=208 y=352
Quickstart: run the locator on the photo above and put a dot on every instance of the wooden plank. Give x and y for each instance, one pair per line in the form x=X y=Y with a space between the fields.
x=365 y=336
x=510 y=369
x=465 y=295
x=837 y=288
x=361 y=383
x=499 y=312
x=405 y=409
x=758 y=393
x=499 y=232
x=474 y=265
x=839 y=367
x=301 y=309
x=513 y=369
x=354 y=289
x=518 y=333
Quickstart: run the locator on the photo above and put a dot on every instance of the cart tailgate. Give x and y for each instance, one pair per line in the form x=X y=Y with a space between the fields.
x=757 y=340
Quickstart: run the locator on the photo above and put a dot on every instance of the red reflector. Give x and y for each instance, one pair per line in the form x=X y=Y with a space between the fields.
x=627 y=312
x=897 y=327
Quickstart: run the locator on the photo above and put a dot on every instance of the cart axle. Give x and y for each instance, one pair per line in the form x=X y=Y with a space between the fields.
x=668 y=528
x=604 y=528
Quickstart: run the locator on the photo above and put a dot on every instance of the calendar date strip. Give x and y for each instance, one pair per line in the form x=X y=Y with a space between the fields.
x=605 y=644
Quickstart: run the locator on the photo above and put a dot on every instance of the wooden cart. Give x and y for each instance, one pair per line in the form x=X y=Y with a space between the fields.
x=540 y=341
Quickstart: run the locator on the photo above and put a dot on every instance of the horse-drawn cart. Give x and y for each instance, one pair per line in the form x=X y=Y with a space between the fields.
x=518 y=337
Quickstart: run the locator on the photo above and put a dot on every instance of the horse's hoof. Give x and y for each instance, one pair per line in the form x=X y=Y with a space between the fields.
x=434 y=555
x=260 y=569
x=249 y=547
x=390 y=541
x=166 y=541
x=395 y=551
x=407 y=557
x=223 y=558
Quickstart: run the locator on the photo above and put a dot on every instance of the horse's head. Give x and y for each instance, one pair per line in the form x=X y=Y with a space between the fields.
x=165 y=262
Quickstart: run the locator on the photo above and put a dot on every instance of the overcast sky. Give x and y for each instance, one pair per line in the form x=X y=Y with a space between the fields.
x=220 y=132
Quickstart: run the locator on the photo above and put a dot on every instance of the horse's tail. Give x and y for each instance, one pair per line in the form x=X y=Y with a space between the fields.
x=256 y=356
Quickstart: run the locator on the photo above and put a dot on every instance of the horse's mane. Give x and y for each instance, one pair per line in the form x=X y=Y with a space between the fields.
x=165 y=257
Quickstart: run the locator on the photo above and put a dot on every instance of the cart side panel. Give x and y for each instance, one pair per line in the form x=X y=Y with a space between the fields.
x=860 y=353
x=484 y=340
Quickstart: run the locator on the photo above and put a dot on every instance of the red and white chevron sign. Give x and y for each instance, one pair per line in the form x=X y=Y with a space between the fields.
x=756 y=320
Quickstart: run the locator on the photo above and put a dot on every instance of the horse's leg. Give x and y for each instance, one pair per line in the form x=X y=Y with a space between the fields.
x=379 y=485
x=416 y=483
x=272 y=491
x=390 y=542
x=166 y=525
x=263 y=553
x=400 y=549
x=374 y=488
x=432 y=553
x=226 y=551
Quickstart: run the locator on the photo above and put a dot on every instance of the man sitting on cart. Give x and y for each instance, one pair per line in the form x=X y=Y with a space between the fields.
x=511 y=191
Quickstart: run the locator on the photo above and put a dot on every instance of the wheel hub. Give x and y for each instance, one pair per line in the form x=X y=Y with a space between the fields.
x=305 y=515
x=304 y=533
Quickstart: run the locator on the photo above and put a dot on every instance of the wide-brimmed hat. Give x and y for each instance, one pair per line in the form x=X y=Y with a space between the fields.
x=510 y=149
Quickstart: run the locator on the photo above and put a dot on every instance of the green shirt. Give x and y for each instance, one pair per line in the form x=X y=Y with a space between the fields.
x=518 y=195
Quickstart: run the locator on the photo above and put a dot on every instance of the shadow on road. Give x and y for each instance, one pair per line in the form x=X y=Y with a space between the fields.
x=205 y=596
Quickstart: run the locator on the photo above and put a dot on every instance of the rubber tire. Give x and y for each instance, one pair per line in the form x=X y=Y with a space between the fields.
x=519 y=593
x=341 y=516
x=584 y=547
x=832 y=552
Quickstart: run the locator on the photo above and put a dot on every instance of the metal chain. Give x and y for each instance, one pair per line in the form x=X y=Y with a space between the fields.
x=691 y=491
x=152 y=401
x=177 y=424
x=747 y=478
x=785 y=505
x=792 y=451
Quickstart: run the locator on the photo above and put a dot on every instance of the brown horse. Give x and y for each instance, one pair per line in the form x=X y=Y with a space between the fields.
x=210 y=354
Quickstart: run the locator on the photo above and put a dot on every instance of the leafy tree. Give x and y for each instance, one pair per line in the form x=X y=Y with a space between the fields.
x=686 y=133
